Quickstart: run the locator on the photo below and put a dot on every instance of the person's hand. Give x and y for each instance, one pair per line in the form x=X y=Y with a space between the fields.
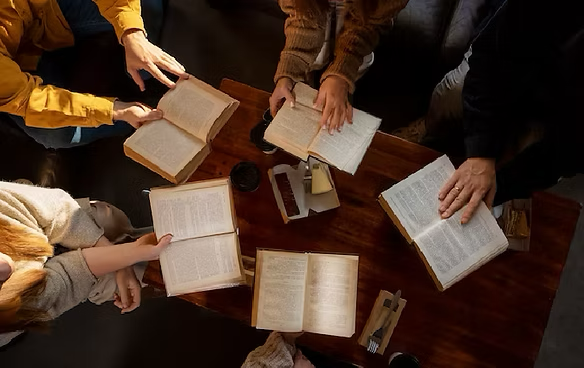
x=135 y=113
x=141 y=54
x=6 y=267
x=333 y=99
x=150 y=249
x=474 y=180
x=129 y=290
x=283 y=91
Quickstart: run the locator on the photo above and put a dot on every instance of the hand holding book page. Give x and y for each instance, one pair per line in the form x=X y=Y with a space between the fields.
x=204 y=253
x=167 y=145
x=192 y=214
x=346 y=149
x=193 y=106
x=175 y=146
x=297 y=130
x=451 y=250
x=201 y=264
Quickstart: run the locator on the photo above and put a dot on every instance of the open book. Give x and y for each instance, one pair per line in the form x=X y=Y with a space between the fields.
x=449 y=249
x=194 y=112
x=296 y=130
x=204 y=253
x=310 y=292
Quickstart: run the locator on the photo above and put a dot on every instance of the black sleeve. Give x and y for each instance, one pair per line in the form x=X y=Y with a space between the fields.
x=486 y=94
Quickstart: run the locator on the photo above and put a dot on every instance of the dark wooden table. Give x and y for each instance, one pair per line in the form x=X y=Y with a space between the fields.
x=493 y=318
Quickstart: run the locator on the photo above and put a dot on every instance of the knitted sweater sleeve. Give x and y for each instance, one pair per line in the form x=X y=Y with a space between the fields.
x=304 y=39
x=51 y=212
x=276 y=352
x=69 y=283
x=358 y=38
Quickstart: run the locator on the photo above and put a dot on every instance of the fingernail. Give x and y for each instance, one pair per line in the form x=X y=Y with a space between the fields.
x=292 y=104
x=442 y=209
x=323 y=127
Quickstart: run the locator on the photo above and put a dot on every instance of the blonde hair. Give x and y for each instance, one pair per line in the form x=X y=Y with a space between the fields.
x=23 y=285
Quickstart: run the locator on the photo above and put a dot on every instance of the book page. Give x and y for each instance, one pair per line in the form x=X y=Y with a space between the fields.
x=281 y=290
x=192 y=107
x=165 y=145
x=414 y=200
x=199 y=264
x=304 y=94
x=331 y=294
x=191 y=213
x=293 y=129
x=346 y=149
x=451 y=249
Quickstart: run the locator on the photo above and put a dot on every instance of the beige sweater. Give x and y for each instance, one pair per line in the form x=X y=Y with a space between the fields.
x=53 y=214
x=276 y=352
x=305 y=37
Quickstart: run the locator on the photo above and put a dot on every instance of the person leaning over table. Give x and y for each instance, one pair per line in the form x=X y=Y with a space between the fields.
x=30 y=27
x=521 y=71
x=36 y=286
x=344 y=53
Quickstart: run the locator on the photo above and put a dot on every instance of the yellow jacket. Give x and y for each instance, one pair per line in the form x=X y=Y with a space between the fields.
x=27 y=27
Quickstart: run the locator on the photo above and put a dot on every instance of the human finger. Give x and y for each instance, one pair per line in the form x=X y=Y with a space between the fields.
x=342 y=120
x=447 y=187
x=153 y=114
x=135 y=293
x=472 y=206
x=450 y=197
x=274 y=105
x=137 y=79
x=349 y=113
x=457 y=203
x=156 y=73
x=164 y=241
x=124 y=296
x=327 y=113
x=289 y=97
x=170 y=67
x=175 y=62
x=320 y=100
x=335 y=120
x=118 y=301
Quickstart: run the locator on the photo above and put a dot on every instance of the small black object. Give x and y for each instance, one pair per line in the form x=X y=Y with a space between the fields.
x=245 y=176
x=403 y=360
x=256 y=135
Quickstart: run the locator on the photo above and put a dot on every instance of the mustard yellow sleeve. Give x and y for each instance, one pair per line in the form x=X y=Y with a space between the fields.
x=122 y=14
x=47 y=106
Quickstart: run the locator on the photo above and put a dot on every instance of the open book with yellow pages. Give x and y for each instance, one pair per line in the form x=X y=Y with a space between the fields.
x=449 y=250
x=296 y=130
x=173 y=147
x=204 y=253
x=312 y=292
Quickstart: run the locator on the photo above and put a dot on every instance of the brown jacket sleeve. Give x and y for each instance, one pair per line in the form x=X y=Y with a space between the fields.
x=304 y=39
x=359 y=38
